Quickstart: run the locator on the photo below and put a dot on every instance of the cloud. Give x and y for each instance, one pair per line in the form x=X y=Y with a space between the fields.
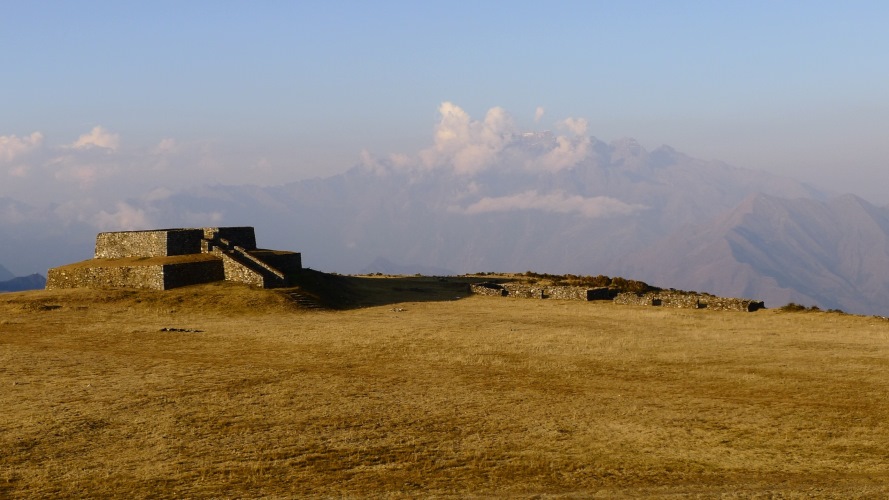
x=467 y=145
x=556 y=202
x=11 y=146
x=577 y=126
x=98 y=137
x=199 y=219
x=126 y=218
x=569 y=151
x=166 y=146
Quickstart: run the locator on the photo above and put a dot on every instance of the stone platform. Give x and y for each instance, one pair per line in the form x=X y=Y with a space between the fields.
x=168 y=258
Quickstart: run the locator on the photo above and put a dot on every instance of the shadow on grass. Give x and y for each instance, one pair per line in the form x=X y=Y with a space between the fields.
x=335 y=291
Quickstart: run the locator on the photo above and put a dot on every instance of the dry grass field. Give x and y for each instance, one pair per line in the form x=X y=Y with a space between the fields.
x=225 y=391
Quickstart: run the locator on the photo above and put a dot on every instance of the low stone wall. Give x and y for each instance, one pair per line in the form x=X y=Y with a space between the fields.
x=520 y=291
x=524 y=291
x=192 y=273
x=143 y=277
x=578 y=293
x=663 y=299
x=151 y=277
x=490 y=289
x=601 y=293
x=235 y=271
x=688 y=301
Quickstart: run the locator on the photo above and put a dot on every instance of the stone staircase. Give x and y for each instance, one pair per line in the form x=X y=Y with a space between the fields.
x=241 y=266
x=304 y=301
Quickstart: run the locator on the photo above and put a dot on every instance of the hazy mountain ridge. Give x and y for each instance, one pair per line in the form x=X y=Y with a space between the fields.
x=34 y=238
x=833 y=253
x=5 y=274
x=21 y=283
x=508 y=216
x=618 y=209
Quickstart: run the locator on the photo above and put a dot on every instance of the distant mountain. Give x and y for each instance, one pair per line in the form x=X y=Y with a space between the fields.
x=539 y=202
x=35 y=238
x=32 y=282
x=5 y=274
x=522 y=211
x=831 y=253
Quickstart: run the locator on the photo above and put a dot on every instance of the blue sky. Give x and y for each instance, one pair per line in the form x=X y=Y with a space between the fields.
x=271 y=92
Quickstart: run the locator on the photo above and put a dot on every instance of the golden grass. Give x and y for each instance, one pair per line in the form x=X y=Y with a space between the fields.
x=475 y=397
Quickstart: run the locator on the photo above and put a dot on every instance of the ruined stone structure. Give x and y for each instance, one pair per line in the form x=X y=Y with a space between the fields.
x=169 y=258
x=524 y=291
x=662 y=298
x=688 y=301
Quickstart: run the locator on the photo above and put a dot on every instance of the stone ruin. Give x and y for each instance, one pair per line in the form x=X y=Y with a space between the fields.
x=524 y=291
x=689 y=301
x=673 y=299
x=168 y=258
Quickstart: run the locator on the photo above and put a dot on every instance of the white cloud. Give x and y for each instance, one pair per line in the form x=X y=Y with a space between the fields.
x=19 y=171
x=467 y=145
x=126 y=218
x=84 y=175
x=97 y=137
x=166 y=146
x=557 y=202
x=577 y=126
x=200 y=219
x=569 y=151
x=12 y=146
x=158 y=194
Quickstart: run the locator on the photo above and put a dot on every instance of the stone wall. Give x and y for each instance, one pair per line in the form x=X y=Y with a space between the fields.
x=525 y=291
x=521 y=291
x=158 y=243
x=243 y=236
x=663 y=298
x=285 y=262
x=688 y=301
x=146 y=277
x=567 y=292
x=486 y=288
x=152 y=277
x=192 y=273
x=184 y=241
x=236 y=271
x=131 y=244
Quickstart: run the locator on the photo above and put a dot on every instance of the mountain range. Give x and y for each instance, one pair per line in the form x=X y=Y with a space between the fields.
x=32 y=282
x=550 y=203
x=5 y=274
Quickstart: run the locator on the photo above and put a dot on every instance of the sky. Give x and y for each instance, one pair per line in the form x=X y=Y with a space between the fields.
x=117 y=98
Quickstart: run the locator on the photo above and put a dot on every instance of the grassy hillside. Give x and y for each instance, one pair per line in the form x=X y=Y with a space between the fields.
x=226 y=391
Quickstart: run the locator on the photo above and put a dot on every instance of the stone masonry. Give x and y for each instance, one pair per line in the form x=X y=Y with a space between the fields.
x=524 y=291
x=689 y=301
x=663 y=298
x=168 y=258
